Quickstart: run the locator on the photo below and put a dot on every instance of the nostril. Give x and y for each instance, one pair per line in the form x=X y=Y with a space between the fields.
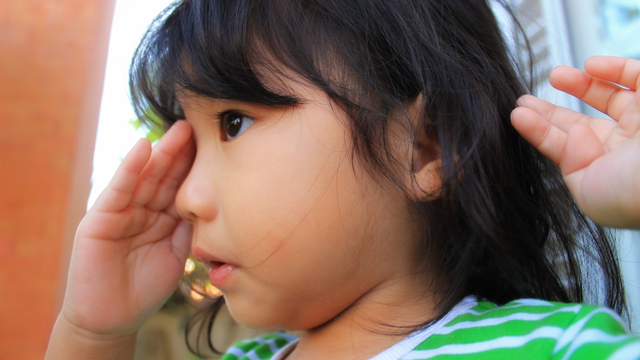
x=188 y=216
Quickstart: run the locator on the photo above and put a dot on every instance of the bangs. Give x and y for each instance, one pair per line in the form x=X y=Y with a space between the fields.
x=206 y=48
x=248 y=50
x=234 y=50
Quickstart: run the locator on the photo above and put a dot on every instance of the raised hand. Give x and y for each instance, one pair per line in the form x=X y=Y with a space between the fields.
x=599 y=158
x=131 y=246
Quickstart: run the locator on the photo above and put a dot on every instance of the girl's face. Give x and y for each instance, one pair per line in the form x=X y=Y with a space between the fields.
x=297 y=231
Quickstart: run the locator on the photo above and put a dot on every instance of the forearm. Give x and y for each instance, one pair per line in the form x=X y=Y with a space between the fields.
x=70 y=342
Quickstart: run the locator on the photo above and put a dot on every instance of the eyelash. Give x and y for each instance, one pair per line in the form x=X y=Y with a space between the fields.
x=230 y=118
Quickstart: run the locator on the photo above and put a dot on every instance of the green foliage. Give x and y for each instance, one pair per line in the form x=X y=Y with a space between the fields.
x=153 y=125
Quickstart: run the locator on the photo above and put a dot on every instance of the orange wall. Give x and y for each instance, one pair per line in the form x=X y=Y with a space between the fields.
x=52 y=58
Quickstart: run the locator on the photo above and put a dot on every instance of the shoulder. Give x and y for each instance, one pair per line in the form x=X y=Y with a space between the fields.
x=531 y=329
x=261 y=347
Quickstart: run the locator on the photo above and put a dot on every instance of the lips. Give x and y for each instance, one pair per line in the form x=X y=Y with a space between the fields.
x=219 y=273
x=219 y=270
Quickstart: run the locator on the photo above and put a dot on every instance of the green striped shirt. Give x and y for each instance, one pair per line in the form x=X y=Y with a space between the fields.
x=522 y=329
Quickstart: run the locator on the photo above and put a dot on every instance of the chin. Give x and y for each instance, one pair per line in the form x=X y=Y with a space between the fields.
x=253 y=314
x=257 y=315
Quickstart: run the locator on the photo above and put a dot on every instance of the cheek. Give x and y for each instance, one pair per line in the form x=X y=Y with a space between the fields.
x=311 y=229
x=306 y=254
x=297 y=214
x=277 y=177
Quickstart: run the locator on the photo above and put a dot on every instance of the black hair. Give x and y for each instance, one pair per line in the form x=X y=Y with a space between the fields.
x=504 y=224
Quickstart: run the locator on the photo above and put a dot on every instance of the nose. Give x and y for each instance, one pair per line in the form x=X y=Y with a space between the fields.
x=196 y=199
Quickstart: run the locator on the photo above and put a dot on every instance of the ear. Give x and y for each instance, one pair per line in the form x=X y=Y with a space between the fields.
x=426 y=168
x=426 y=174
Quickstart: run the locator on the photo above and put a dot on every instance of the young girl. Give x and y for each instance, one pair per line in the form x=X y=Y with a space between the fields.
x=349 y=170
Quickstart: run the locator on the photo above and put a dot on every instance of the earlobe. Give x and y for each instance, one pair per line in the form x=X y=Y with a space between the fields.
x=426 y=182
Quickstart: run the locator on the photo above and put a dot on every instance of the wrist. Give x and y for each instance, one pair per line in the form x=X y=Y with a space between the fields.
x=71 y=341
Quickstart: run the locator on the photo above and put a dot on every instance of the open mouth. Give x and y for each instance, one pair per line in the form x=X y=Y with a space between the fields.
x=219 y=272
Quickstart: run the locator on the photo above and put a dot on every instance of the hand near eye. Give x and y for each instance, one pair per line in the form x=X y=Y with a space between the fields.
x=129 y=252
x=599 y=158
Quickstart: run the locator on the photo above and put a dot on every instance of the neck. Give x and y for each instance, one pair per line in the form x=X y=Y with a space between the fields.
x=378 y=320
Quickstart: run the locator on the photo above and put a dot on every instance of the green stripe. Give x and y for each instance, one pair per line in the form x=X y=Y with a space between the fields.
x=262 y=350
x=531 y=350
x=568 y=326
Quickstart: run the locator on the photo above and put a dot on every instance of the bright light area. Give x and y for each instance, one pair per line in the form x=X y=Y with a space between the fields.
x=115 y=135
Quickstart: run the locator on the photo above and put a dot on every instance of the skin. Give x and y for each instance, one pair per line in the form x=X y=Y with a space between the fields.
x=311 y=210
x=599 y=158
x=129 y=252
x=328 y=250
x=355 y=237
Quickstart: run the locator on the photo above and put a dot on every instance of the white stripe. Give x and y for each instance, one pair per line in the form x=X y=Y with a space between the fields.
x=499 y=343
x=252 y=355
x=272 y=345
x=285 y=351
x=573 y=330
x=501 y=320
x=593 y=336
x=534 y=302
x=237 y=352
x=410 y=342
x=515 y=305
x=627 y=352
x=270 y=342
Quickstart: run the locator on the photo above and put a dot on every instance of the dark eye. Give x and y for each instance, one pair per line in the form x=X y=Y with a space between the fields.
x=233 y=124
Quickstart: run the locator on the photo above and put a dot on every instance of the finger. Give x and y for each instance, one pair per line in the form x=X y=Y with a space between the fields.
x=546 y=138
x=172 y=210
x=163 y=155
x=169 y=185
x=581 y=149
x=558 y=116
x=625 y=72
x=117 y=195
x=630 y=120
x=181 y=240
x=603 y=95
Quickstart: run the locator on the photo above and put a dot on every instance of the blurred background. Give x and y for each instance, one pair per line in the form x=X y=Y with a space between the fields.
x=66 y=124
